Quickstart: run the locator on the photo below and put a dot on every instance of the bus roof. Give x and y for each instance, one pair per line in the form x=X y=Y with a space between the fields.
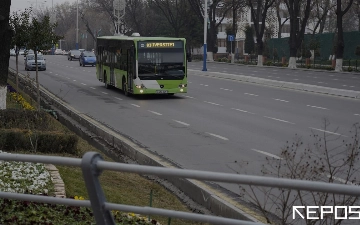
x=139 y=38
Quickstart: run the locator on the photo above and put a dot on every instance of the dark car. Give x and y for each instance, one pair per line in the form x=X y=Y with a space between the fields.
x=74 y=54
x=87 y=58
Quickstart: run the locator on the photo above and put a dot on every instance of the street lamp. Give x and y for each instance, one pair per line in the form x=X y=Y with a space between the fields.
x=77 y=25
x=205 y=35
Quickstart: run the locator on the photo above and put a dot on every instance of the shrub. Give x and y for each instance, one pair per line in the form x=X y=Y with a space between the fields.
x=350 y=69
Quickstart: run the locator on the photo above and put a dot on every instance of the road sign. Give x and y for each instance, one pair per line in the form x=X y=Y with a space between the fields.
x=231 y=37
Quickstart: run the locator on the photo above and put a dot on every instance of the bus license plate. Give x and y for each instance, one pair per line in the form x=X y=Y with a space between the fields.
x=161 y=91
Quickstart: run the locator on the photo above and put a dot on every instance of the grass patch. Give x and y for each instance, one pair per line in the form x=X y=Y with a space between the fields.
x=123 y=188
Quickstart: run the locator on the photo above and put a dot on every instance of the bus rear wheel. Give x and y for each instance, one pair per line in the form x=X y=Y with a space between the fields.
x=126 y=93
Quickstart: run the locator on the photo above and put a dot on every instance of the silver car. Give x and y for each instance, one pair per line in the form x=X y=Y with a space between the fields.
x=30 y=62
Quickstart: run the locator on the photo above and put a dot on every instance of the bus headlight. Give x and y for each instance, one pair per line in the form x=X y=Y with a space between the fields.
x=181 y=90
x=141 y=91
x=182 y=85
x=140 y=86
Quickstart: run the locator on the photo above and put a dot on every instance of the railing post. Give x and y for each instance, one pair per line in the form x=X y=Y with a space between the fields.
x=97 y=198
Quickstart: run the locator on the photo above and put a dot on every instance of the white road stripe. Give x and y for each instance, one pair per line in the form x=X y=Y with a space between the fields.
x=186 y=124
x=92 y=88
x=212 y=103
x=266 y=153
x=56 y=74
x=356 y=114
x=104 y=93
x=317 y=107
x=225 y=89
x=68 y=78
x=344 y=85
x=83 y=84
x=50 y=72
x=278 y=119
x=159 y=114
x=188 y=96
x=341 y=180
x=251 y=94
x=74 y=80
x=135 y=105
x=118 y=98
x=280 y=100
x=295 y=79
x=218 y=136
x=204 y=85
x=243 y=111
x=329 y=132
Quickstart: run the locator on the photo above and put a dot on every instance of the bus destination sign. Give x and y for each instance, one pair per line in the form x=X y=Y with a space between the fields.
x=173 y=44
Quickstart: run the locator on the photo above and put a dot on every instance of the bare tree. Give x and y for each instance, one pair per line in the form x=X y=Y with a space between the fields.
x=5 y=40
x=320 y=13
x=258 y=13
x=281 y=15
x=327 y=158
x=297 y=25
x=340 y=38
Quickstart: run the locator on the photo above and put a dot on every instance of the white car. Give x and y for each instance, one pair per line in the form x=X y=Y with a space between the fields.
x=12 y=52
x=58 y=51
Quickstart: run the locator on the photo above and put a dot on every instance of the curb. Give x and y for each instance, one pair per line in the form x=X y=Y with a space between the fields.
x=59 y=185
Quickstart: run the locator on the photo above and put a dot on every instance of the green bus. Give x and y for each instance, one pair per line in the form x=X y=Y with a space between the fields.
x=142 y=65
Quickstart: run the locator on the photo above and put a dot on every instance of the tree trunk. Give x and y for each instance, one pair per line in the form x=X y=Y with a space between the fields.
x=292 y=62
x=338 y=66
x=293 y=50
x=37 y=81
x=5 y=40
x=260 y=60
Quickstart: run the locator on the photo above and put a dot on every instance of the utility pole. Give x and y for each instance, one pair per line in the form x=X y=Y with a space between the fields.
x=205 y=35
x=77 y=25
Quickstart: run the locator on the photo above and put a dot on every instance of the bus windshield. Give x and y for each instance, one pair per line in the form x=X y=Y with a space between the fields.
x=161 y=63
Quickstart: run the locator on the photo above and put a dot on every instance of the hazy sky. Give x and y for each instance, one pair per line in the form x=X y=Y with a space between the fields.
x=22 y=4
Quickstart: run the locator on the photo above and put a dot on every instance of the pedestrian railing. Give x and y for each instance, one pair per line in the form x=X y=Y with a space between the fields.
x=92 y=165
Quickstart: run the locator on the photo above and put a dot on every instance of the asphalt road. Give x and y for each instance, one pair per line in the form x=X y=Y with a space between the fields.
x=345 y=80
x=220 y=125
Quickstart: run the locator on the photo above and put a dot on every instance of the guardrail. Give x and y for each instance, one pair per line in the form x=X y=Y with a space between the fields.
x=92 y=165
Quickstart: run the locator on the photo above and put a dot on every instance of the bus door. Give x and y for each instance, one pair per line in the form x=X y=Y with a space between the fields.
x=112 y=66
x=100 y=60
x=131 y=69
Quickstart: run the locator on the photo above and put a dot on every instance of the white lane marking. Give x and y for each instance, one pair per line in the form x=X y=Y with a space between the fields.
x=316 y=107
x=92 y=88
x=224 y=71
x=50 y=72
x=251 y=94
x=295 y=79
x=320 y=82
x=344 y=85
x=269 y=76
x=225 y=89
x=188 y=96
x=68 y=78
x=83 y=84
x=280 y=100
x=156 y=113
x=352 y=86
x=218 y=136
x=356 y=114
x=104 y=93
x=135 y=105
x=315 y=77
x=118 y=98
x=278 y=120
x=84 y=70
x=204 y=85
x=329 y=132
x=212 y=103
x=243 y=111
x=335 y=79
x=56 y=74
x=74 y=80
x=277 y=77
x=266 y=153
x=331 y=75
x=185 y=124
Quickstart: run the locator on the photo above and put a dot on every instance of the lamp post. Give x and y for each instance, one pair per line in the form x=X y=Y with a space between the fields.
x=205 y=35
x=77 y=25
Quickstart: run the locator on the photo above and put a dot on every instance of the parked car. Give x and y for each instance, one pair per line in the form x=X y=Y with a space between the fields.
x=12 y=52
x=21 y=51
x=87 y=58
x=30 y=62
x=74 y=54
x=58 y=51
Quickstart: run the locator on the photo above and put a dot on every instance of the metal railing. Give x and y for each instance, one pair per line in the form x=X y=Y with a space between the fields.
x=92 y=165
